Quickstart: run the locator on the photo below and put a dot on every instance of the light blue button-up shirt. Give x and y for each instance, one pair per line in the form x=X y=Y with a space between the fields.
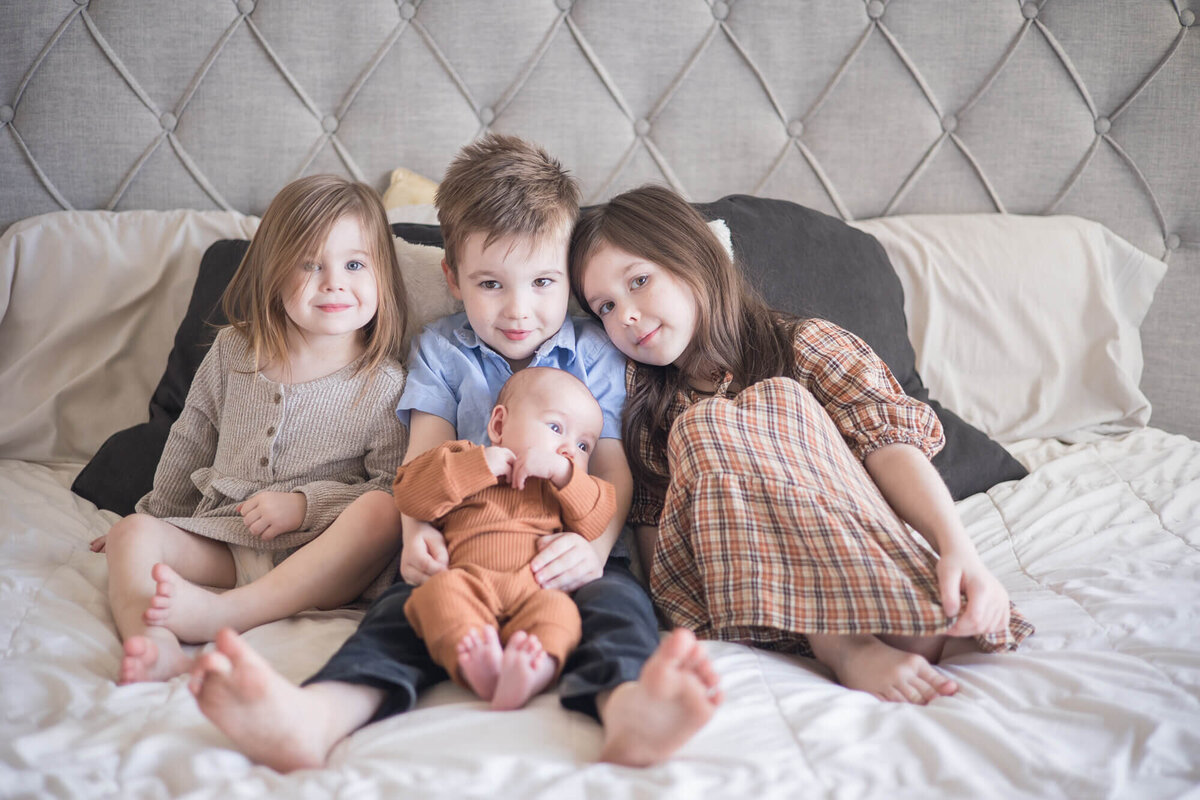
x=452 y=373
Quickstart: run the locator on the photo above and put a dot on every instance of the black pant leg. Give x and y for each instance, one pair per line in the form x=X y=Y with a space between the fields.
x=620 y=632
x=385 y=652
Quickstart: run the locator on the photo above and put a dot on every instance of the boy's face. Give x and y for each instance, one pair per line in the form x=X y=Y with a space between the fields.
x=515 y=291
x=558 y=416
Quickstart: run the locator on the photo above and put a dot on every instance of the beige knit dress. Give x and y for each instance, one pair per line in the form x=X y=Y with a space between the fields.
x=332 y=439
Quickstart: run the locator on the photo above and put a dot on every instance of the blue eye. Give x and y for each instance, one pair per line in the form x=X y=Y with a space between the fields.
x=489 y=284
x=355 y=266
x=554 y=426
x=583 y=446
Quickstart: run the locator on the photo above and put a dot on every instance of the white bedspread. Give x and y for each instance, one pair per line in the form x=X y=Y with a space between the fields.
x=1099 y=546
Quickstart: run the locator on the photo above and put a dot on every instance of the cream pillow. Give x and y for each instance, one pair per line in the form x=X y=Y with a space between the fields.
x=1026 y=326
x=407 y=188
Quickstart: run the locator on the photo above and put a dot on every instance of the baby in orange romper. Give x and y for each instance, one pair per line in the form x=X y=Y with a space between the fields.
x=491 y=504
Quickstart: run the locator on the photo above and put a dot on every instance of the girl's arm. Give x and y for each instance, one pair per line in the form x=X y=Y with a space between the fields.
x=913 y=487
x=646 y=537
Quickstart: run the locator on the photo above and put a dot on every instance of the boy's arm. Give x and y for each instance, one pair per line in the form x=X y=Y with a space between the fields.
x=567 y=561
x=424 y=552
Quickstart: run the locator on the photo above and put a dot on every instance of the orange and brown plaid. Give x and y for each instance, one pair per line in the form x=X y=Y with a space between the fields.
x=771 y=526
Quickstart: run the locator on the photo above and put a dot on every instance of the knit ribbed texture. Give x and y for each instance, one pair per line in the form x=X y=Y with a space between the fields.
x=332 y=439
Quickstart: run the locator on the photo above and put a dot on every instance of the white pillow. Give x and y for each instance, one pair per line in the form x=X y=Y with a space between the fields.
x=89 y=304
x=1025 y=326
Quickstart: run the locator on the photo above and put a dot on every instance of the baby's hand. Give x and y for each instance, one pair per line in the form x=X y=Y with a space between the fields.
x=536 y=463
x=499 y=460
x=98 y=543
x=269 y=514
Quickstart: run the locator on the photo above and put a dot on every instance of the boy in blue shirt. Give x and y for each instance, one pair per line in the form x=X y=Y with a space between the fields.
x=506 y=210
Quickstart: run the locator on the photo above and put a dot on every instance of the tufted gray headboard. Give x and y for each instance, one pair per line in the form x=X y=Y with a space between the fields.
x=858 y=108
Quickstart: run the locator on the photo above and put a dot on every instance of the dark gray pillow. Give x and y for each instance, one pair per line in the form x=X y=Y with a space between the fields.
x=815 y=265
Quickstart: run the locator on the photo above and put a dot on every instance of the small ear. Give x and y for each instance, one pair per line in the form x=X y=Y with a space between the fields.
x=496 y=424
x=451 y=281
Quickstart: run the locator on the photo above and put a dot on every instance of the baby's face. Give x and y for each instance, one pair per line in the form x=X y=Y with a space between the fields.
x=557 y=415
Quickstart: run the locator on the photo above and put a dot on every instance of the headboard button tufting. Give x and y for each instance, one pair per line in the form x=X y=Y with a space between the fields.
x=641 y=127
x=245 y=7
x=486 y=115
x=168 y=121
x=329 y=123
x=6 y=114
x=563 y=5
x=1103 y=125
x=1187 y=17
x=720 y=10
x=1029 y=10
x=795 y=129
x=949 y=123
x=1173 y=241
x=875 y=9
x=407 y=11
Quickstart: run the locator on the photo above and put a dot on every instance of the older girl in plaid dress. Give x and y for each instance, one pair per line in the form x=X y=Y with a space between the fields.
x=776 y=463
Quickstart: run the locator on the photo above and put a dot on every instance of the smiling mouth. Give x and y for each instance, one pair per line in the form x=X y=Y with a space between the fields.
x=516 y=336
x=642 y=341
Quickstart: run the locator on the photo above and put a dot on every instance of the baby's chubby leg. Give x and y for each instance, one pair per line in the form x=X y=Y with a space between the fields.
x=133 y=546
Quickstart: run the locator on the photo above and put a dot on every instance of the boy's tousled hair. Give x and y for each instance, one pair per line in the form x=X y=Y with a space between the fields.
x=292 y=232
x=503 y=186
x=736 y=331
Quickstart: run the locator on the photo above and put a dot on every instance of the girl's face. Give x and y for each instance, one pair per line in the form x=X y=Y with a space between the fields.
x=649 y=314
x=336 y=292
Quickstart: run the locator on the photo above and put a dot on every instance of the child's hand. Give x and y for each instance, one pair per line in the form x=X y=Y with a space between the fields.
x=987 y=608
x=98 y=543
x=535 y=463
x=424 y=552
x=499 y=460
x=269 y=514
x=565 y=561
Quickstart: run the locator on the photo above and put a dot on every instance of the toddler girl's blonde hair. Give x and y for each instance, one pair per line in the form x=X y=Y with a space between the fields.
x=292 y=232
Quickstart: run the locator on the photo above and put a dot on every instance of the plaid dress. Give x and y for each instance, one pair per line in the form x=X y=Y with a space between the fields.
x=771 y=527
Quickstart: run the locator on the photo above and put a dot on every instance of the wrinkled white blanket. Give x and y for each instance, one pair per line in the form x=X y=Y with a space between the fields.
x=1099 y=546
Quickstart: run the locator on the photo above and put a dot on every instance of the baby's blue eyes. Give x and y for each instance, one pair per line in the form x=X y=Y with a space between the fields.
x=554 y=426
x=583 y=446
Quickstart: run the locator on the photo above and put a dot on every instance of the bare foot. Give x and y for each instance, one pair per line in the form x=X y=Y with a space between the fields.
x=182 y=607
x=525 y=670
x=152 y=657
x=676 y=694
x=479 y=660
x=868 y=664
x=269 y=718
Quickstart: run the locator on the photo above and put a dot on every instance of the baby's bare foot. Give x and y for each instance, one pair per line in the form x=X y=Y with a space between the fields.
x=675 y=695
x=870 y=665
x=525 y=670
x=269 y=718
x=479 y=655
x=152 y=657
x=187 y=610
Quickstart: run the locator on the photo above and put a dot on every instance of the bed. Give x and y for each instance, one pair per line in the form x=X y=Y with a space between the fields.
x=1027 y=170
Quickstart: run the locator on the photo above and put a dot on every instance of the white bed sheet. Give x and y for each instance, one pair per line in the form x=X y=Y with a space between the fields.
x=1099 y=546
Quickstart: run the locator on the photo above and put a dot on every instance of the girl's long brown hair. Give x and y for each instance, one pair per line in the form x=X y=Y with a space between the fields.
x=292 y=231
x=736 y=331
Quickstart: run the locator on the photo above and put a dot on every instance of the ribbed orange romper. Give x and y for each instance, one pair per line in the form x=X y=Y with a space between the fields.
x=491 y=533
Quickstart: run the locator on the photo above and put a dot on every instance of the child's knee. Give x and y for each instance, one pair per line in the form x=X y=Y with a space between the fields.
x=134 y=532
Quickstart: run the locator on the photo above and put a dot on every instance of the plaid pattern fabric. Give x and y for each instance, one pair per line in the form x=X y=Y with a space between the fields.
x=772 y=527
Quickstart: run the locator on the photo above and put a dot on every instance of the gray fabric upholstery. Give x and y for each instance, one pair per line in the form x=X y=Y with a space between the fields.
x=857 y=108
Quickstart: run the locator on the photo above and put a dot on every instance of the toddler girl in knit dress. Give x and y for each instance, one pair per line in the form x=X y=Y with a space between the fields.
x=288 y=427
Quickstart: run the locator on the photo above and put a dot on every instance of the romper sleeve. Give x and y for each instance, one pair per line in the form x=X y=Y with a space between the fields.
x=192 y=443
x=859 y=392
x=436 y=482
x=384 y=450
x=647 y=504
x=588 y=503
